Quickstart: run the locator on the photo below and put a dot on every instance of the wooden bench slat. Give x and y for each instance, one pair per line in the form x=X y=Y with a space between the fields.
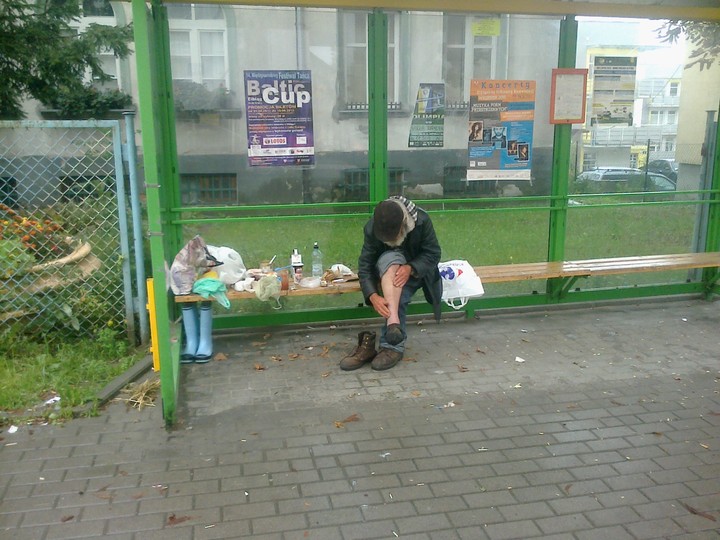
x=505 y=273
x=648 y=260
x=523 y=271
x=622 y=265
x=232 y=294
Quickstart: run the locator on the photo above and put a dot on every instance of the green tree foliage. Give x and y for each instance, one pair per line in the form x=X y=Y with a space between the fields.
x=42 y=55
x=703 y=36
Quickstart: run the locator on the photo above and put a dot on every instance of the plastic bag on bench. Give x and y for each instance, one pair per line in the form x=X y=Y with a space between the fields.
x=191 y=261
x=232 y=269
x=460 y=282
x=268 y=287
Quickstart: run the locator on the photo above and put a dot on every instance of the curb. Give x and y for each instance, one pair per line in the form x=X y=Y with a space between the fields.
x=114 y=387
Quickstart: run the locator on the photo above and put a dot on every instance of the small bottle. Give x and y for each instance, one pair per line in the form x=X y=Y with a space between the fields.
x=317 y=264
x=297 y=265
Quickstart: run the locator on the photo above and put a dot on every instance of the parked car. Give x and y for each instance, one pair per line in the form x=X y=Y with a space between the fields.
x=601 y=174
x=625 y=179
x=666 y=167
x=662 y=182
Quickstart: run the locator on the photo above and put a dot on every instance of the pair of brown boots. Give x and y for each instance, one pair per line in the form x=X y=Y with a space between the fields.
x=365 y=352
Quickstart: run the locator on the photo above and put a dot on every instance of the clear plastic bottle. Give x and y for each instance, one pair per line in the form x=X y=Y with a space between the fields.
x=317 y=263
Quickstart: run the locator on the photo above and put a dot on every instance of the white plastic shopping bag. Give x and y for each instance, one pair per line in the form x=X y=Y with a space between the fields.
x=460 y=282
x=232 y=269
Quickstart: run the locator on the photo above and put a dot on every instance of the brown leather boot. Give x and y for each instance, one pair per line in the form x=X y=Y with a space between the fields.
x=386 y=359
x=362 y=354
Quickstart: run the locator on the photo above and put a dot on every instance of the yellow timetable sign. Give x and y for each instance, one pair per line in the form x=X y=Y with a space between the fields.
x=487 y=26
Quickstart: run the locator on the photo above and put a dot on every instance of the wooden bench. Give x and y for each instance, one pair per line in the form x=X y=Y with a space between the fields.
x=567 y=271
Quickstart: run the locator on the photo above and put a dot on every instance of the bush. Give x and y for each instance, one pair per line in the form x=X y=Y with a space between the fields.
x=89 y=102
x=190 y=96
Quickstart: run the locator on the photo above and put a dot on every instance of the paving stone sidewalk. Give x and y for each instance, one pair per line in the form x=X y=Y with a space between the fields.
x=582 y=423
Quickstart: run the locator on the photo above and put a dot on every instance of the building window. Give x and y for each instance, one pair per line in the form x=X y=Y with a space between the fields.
x=181 y=57
x=97 y=12
x=208 y=188
x=8 y=191
x=589 y=161
x=669 y=145
x=79 y=187
x=466 y=56
x=354 y=37
x=198 y=47
x=674 y=89
x=97 y=8
x=654 y=118
x=672 y=117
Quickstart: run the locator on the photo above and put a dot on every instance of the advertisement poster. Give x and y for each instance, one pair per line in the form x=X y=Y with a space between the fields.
x=500 y=129
x=613 y=94
x=279 y=118
x=428 y=120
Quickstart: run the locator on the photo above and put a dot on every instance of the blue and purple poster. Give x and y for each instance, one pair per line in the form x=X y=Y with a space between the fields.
x=500 y=129
x=279 y=118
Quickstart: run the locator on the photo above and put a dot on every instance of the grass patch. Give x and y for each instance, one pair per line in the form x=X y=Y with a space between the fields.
x=33 y=374
x=482 y=237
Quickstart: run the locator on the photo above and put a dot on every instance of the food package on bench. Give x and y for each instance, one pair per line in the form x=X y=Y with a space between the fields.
x=339 y=273
x=191 y=261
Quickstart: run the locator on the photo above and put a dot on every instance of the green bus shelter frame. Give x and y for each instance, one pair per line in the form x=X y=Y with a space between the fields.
x=164 y=206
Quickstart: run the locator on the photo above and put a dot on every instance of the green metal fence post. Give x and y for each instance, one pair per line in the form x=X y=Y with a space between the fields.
x=161 y=183
x=377 y=106
x=561 y=162
x=712 y=242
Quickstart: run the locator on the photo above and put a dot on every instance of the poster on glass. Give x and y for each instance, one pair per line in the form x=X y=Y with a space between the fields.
x=500 y=129
x=279 y=118
x=428 y=119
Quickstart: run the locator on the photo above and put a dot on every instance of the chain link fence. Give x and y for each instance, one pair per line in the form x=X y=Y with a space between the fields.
x=64 y=250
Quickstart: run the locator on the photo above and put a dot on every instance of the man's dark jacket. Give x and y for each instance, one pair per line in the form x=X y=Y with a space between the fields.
x=422 y=252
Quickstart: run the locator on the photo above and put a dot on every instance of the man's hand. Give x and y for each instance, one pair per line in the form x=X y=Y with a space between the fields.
x=380 y=305
x=402 y=275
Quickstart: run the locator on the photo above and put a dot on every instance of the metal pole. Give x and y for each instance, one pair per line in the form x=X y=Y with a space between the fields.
x=377 y=113
x=701 y=221
x=123 y=226
x=136 y=211
x=561 y=156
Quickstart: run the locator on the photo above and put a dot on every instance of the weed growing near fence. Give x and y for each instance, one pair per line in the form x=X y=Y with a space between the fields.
x=34 y=375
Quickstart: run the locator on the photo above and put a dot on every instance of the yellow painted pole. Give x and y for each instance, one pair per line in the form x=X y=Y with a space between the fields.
x=153 y=324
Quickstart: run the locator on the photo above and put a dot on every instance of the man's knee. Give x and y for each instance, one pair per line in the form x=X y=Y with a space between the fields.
x=391 y=270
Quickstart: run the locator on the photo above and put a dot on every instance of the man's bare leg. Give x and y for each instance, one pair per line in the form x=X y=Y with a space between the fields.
x=391 y=293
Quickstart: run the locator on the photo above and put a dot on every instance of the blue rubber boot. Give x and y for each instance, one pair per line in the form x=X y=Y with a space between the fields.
x=190 y=327
x=205 y=347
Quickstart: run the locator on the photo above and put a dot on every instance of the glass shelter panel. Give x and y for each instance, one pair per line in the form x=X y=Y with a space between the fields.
x=433 y=152
x=637 y=169
x=494 y=236
x=309 y=143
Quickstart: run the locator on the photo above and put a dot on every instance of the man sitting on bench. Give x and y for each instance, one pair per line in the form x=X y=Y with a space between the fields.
x=400 y=254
